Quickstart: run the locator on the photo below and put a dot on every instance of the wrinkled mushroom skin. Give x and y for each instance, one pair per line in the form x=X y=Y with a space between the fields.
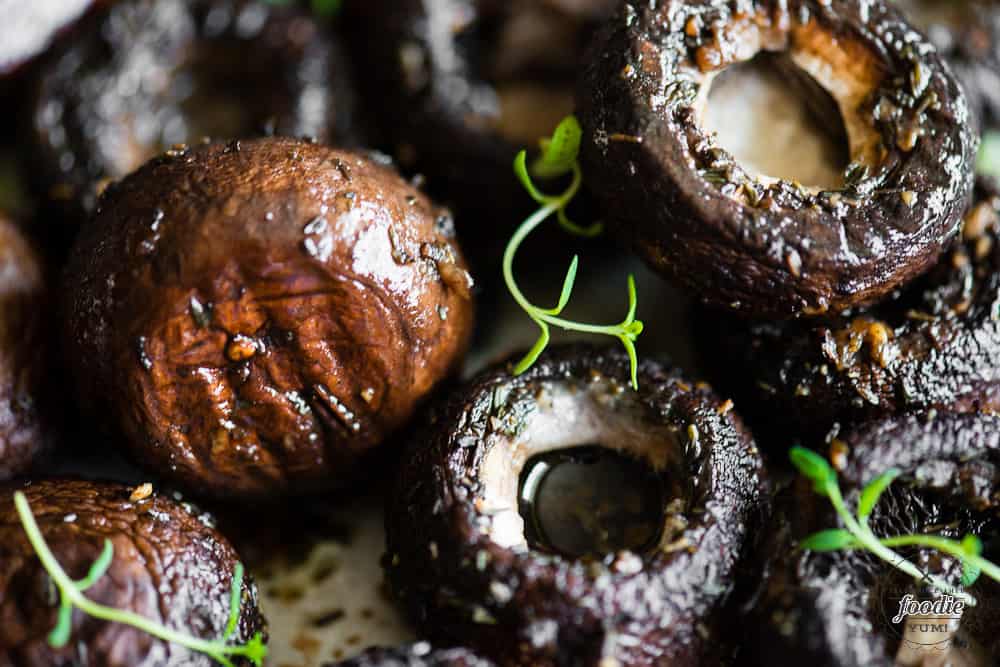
x=417 y=655
x=463 y=571
x=169 y=565
x=828 y=609
x=774 y=248
x=143 y=76
x=462 y=85
x=935 y=345
x=26 y=416
x=256 y=317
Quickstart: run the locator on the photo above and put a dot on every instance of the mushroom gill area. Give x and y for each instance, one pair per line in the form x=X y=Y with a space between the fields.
x=584 y=477
x=778 y=123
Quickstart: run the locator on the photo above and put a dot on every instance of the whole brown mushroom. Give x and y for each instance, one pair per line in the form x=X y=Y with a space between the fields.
x=168 y=565
x=26 y=427
x=257 y=317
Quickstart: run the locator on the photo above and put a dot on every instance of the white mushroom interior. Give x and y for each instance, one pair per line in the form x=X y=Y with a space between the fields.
x=774 y=136
x=764 y=126
x=565 y=417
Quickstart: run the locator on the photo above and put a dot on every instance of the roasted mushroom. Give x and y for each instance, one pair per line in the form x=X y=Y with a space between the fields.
x=27 y=419
x=558 y=517
x=837 y=608
x=462 y=85
x=935 y=345
x=256 y=317
x=420 y=654
x=967 y=33
x=748 y=242
x=169 y=565
x=144 y=76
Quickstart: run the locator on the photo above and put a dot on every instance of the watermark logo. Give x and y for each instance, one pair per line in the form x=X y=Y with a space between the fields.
x=923 y=617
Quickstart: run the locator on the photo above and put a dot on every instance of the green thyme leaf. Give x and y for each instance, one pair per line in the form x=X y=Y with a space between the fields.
x=988 y=161
x=814 y=467
x=71 y=595
x=871 y=493
x=559 y=157
x=829 y=540
x=561 y=151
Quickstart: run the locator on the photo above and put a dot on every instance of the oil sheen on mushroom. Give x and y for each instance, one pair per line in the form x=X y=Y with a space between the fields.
x=837 y=609
x=169 y=565
x=467 y=567
x=934 y=345
x=141 y=77
x=749 y=242
x=257 y=317
x=462 y=85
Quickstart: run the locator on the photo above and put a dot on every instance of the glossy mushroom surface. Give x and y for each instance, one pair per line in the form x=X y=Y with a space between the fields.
x=754 y=244
x=837 y=608
x=142 y=77
x=462 y=564
x=28 y=422
x=462 y=85
x=256 y=317
x=169 y=565
x=967 y=33
x=934 y=345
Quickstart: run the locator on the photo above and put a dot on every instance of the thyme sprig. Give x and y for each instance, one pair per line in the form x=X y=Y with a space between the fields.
x=71 y=594
x=857 y=534
x=988 y=160
x=559 y=157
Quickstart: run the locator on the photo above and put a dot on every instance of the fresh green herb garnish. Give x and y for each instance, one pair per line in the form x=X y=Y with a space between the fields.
x=988 y=161
x=857 y=534
x=559 y=157
x=71 y=595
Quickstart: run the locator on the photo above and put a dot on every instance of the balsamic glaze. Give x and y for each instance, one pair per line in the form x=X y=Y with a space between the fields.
x=590 y=501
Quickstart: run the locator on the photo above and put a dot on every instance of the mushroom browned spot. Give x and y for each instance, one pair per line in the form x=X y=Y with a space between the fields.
x=764 y=246
x=169 y=565
x=144 y=76
x=257 y=317
x=463 y=85
x=463 y=565
x=848 y=608
x=933 y=346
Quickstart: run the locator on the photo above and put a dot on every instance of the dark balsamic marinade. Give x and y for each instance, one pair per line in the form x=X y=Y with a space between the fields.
x=458 y=557
x=934 y=345
x=142 y=77
x=758 y=246
x=256 y=317
x=836 y=609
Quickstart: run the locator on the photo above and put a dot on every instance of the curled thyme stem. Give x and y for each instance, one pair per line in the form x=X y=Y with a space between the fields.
x=560 y=157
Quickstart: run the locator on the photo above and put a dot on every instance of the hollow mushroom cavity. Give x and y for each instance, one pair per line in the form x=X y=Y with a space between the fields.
x=768 y=244
x=466 y=566
x=577 y=443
